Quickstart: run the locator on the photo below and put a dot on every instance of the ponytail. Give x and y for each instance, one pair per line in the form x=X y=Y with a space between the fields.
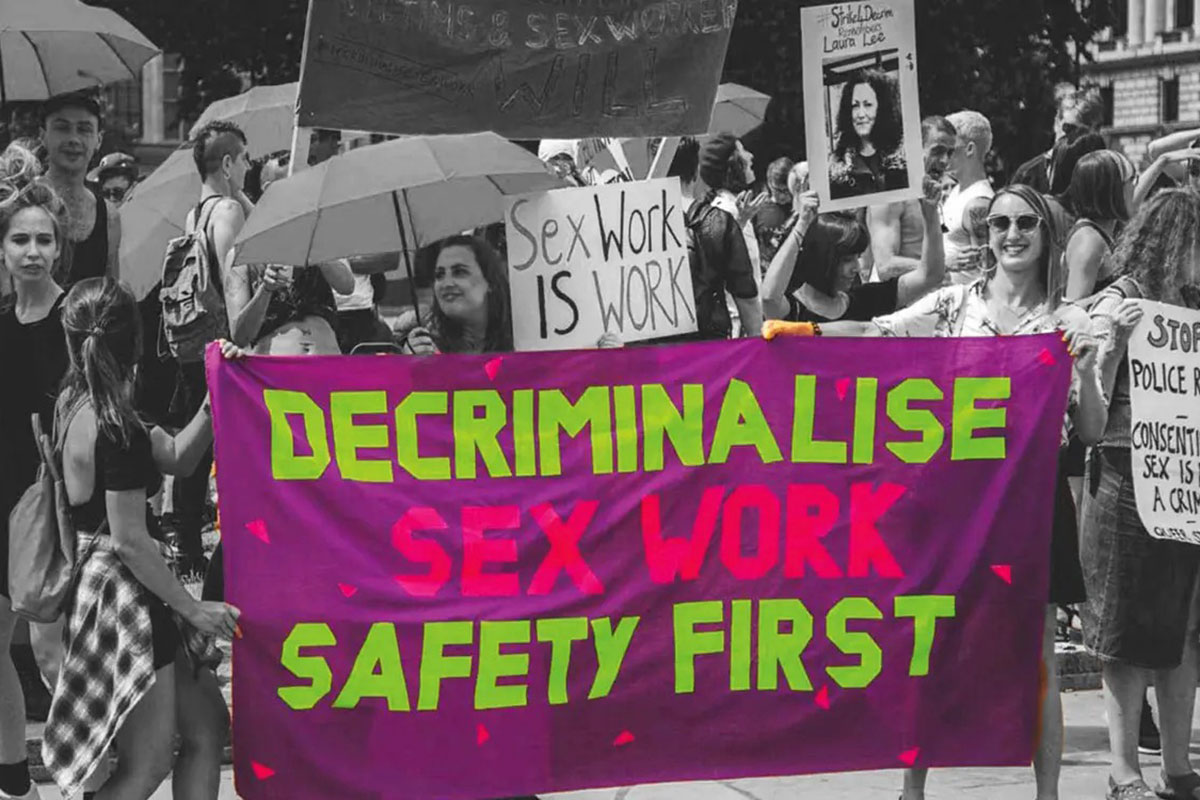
x=104 y=341
x=108 y=388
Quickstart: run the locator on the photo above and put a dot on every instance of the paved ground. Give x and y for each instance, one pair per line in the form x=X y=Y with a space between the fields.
x=1084 y=775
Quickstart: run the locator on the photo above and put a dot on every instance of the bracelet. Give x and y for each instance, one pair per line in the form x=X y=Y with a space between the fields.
x=816 y=327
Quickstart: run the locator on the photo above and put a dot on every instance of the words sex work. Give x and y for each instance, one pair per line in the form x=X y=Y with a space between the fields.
x=627 y=254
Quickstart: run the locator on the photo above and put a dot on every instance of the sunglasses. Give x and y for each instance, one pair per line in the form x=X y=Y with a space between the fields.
x=1002 y=223
x=114 y=194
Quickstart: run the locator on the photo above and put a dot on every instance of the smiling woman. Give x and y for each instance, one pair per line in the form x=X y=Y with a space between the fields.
x=471 y=307
x=33 y=355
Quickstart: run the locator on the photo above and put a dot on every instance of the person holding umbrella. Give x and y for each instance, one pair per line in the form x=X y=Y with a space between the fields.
x=72 y=126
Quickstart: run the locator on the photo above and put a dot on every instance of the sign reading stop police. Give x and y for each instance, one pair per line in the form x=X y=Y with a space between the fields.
x=1164 y=381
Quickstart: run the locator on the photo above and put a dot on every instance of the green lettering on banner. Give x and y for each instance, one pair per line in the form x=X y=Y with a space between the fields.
x=349 y=438
x=865 y=398
x=806 y=449
x=407 y=449
x=611 y=647
x=494 y=665
x=690 y=642
x=925 y=611
x=625 y=411
x=561 y=633
x=739 y=646
x=918 y=420
x=742 y=423
x=592 y=411
x=968 y=419
x=660 y=419
x=314 y=668
x=870 y=662
x=524 y=439
x=474 y=434
x=778 y=650
x=285 y=464
x=436 y=666
x=377 y=671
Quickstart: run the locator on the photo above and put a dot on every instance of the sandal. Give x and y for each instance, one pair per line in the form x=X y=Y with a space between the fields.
x=1179 y=787
x=1136 y=790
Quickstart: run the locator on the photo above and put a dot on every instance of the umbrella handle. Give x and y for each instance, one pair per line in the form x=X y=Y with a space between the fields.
x=408 y=267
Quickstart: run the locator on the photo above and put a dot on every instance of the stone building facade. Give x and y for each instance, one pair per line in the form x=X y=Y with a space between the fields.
x=1148 y=69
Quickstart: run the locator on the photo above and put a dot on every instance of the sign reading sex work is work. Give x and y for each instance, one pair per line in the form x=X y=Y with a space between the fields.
x=466 y=577
x=527 y=69
x=596 y=260
x=1164 y=388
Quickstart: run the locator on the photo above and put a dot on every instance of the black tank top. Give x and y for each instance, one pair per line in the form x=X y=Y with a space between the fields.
x=89 y=258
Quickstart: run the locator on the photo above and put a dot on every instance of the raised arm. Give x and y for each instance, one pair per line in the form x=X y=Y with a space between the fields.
x=783 y=265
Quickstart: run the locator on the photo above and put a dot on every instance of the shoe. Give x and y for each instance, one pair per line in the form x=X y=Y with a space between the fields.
x=1149 y=740
x=32 y=794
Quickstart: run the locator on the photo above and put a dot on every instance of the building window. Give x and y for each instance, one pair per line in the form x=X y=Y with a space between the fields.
x=1108 y=97
x=1185 y=13
x=1170 y=100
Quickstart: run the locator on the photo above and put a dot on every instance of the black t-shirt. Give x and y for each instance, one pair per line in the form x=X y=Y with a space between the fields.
x=33 y=360
x=118 y=469
x=867 y=301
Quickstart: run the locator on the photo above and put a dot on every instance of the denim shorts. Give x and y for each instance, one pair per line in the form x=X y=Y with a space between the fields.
x=1140 y=589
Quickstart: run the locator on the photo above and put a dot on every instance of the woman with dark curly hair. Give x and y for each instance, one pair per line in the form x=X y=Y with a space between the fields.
x=868 y=152
x=471 y=309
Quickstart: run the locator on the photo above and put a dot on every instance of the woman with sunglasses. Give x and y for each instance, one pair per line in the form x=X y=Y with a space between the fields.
x=1141 y=590
x=1019 y=296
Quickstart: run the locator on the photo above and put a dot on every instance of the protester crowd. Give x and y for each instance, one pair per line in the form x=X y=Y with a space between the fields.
x=1067 y=245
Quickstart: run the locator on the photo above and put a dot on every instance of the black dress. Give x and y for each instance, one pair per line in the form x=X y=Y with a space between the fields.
x=121 y=468
x=33 y=358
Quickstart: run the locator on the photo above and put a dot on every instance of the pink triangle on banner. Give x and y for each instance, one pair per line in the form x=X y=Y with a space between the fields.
x=347 y=589
x=843 y=388
x=492 y=368
x=1047 y=358
x=910 y=757
x=1003 y=572
x=259 y=528
x=822 y=698
x=481 y=734
x=261 y=772
x=625 y=738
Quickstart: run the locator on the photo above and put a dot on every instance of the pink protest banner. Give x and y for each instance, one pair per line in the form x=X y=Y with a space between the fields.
x=470 y=577
x=526 y=69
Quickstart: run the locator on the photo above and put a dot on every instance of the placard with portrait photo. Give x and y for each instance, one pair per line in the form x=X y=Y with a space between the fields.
x=861 y=111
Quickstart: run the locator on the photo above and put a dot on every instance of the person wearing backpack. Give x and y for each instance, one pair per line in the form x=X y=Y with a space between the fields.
x=195 y=273
x=718 y=255
x=33 y=355
x=139 y=647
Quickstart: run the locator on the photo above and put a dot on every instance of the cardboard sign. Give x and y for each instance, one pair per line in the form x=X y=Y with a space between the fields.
x=861 y=112
x=1164 y=388
x=526 y=69
x=595 y=260
x=494 y=576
